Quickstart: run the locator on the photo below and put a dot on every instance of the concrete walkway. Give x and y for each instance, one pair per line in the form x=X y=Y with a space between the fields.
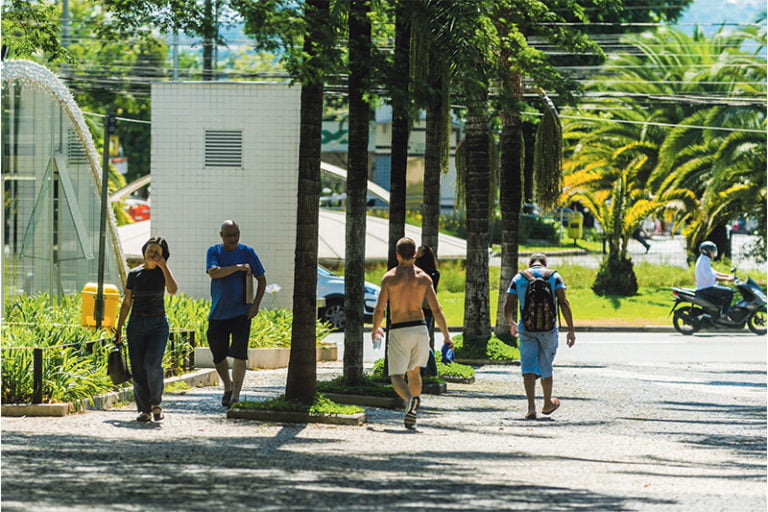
x=643 y=436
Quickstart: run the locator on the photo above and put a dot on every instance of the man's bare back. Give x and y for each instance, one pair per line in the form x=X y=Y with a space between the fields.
x=406 y=288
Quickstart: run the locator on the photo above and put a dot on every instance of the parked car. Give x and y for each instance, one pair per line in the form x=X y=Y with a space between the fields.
x=744 y=226
x=331 y=288
x=138 y=210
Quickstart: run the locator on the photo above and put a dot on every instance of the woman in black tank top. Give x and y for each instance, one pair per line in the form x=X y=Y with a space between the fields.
x=147 y=329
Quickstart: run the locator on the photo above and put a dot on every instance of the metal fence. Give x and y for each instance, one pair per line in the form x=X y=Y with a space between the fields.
x=181 y=350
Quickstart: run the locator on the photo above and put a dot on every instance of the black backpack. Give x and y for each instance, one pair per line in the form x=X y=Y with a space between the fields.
x=539 y=308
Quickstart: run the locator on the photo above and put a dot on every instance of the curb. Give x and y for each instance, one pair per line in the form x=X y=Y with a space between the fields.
x=103 y=402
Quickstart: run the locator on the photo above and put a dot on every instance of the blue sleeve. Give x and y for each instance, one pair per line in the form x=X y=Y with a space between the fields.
x=558 y=281
x=513 y=285
x=256 y=267
x=212 y=258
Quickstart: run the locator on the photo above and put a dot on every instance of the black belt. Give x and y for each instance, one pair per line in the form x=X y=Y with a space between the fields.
x=412 y=323
x=161 y=313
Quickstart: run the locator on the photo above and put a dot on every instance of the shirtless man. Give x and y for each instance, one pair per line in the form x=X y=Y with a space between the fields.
x=405 y=287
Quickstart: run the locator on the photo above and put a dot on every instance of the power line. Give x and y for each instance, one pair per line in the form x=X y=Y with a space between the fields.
x=128 y=119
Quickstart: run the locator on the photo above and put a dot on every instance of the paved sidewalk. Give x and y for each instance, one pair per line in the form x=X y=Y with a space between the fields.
x=639 y=436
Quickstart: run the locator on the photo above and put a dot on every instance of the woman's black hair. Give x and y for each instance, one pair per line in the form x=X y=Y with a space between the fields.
x=161 y=242
x=427 y=261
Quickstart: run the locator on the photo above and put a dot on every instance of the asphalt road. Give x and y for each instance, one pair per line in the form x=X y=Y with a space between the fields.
x=630 y=347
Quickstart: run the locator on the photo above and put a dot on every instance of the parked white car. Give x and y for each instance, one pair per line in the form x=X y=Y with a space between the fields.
x=331 y=288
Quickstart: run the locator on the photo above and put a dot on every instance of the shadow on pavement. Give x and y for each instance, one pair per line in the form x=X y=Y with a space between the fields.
x=42 y=472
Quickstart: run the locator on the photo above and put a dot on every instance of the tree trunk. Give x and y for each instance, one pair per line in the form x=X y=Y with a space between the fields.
x=477 y=322
x=302 y=367
x=436 y=135
x=357 y=186
x=400 y=130
x=510 y=201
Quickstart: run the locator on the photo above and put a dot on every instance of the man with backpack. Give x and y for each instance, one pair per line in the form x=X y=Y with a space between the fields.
x=540 y=291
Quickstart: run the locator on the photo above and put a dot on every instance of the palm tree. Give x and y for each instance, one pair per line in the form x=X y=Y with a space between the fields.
x=516 y=62
x=317 y=51
x=681 y=169
x=401 y=123
x=357 y=186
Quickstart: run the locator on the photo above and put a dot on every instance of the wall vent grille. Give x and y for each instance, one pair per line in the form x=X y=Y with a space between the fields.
x=224 y=148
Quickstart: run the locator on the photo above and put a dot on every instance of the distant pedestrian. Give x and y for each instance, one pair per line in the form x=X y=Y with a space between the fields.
x=539 y=291
x=230 y=264
x=427 y=261
x=638 y=235
x=148 y=328
x=404 y=288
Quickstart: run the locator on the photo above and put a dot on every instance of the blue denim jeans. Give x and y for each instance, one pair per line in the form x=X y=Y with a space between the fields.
x=147 y=338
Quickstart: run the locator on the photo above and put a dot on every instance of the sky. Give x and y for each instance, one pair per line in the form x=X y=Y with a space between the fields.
x=710 y=13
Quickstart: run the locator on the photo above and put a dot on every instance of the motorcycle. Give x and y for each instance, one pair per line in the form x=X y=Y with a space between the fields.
x=750 y=311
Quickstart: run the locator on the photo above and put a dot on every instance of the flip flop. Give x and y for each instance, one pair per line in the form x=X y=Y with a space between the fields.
x=530 y=415
x=557 y=404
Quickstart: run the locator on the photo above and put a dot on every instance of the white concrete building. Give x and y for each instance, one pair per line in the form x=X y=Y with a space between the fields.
x=226 y=150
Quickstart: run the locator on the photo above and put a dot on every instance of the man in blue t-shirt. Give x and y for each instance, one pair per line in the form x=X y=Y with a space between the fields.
x=537 y=349
x=230 y=264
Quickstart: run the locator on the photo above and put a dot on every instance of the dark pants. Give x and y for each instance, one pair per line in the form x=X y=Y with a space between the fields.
x=147 y=338
x=719 y=295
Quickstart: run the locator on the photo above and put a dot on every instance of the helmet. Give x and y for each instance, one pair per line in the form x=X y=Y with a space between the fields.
x=708 y=249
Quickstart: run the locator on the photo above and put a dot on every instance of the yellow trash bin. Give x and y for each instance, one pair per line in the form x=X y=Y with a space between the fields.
x=111 y=301
x=575 y=225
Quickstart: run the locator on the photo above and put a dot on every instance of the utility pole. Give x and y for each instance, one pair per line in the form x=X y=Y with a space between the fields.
x=110 y=123
x=175 y=55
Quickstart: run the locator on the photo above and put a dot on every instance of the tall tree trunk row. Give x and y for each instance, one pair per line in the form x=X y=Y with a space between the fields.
x=400 y=129
x=357 y=187
x=302 y=367
x=477 y=322
x=510 y=201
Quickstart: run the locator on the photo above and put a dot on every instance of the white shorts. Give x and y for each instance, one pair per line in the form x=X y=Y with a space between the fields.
x=408 y=347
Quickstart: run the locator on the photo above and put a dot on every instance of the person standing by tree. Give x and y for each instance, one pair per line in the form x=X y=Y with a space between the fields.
x=539 y=291
x=229 y=264
x=147 y=329
x=426 y=261
x=405 y=287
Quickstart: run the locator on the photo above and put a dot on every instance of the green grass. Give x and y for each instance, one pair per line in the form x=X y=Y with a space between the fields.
x=178 y=387
x=368 y=387
x=649 y=307
x=321 y=405
x=495 y=350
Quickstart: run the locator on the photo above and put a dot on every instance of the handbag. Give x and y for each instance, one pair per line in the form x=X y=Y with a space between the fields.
x=117 y=366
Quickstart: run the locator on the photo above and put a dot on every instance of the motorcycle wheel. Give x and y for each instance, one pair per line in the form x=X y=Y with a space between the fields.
x=756 y=322
x=684 y=320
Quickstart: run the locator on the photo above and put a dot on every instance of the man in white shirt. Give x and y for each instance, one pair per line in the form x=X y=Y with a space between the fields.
x=707 y=278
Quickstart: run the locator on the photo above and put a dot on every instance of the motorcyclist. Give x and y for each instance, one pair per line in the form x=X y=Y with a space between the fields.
x=707 y=277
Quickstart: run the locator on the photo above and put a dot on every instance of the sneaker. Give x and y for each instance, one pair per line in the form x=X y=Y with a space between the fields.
x=144 y=417
x=226 y=398
x=157 y=413
x=410 y=412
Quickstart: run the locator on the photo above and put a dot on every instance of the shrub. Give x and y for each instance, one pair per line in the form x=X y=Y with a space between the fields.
x=369 y=387
x=615 y=277
x=321 y=405
x=495 y=350
x=270 y=328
